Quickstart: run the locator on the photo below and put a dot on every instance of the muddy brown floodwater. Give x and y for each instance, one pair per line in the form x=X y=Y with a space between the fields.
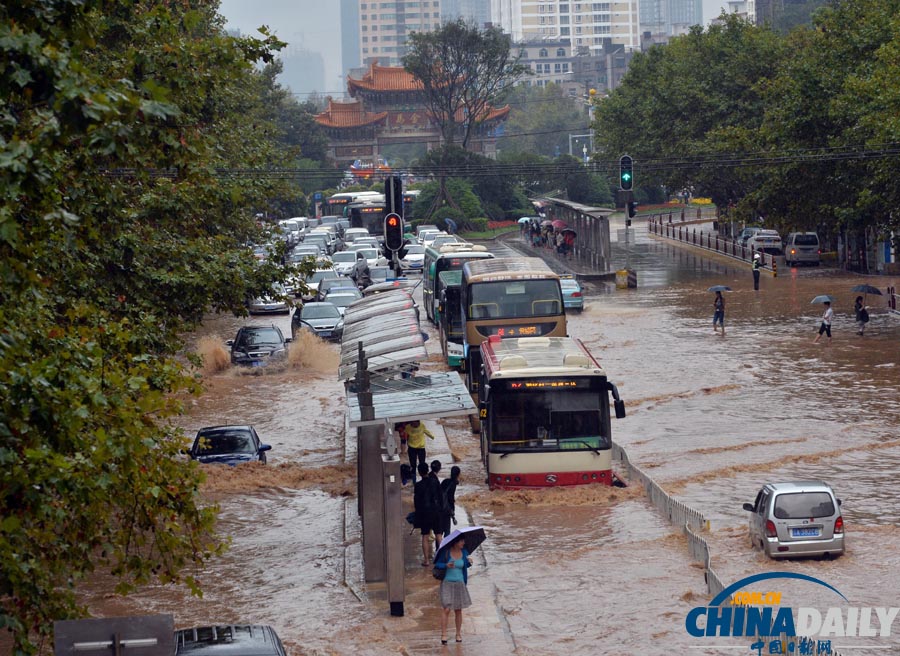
x=586 y=570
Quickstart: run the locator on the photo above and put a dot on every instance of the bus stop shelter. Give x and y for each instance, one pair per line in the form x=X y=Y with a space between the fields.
x=381 y=346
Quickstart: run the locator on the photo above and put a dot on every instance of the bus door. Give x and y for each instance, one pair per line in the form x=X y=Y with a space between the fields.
x=451 y=326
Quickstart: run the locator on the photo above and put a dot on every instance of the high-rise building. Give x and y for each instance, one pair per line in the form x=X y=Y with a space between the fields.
x=349 y=35
x=580 y=24
x=385 y=26
x=477 y=12
x=670 y=17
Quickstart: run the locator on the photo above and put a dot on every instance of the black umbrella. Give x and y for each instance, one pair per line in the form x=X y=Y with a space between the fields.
x=474 y=536
x=867 y=289
x=719 y=288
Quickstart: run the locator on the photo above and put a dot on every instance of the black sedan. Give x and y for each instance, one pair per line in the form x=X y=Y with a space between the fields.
x=228 y=445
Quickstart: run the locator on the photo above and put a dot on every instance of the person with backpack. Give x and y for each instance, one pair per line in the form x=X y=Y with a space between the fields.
x=448 y=485
x=426 y=503
x=439 y=507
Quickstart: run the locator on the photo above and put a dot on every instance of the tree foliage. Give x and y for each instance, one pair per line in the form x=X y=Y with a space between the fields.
x=541 y=120
x=116 y=235
x=462 y=69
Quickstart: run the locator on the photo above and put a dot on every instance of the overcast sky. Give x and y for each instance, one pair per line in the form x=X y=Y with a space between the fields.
x=311 y=24
x=315 y=25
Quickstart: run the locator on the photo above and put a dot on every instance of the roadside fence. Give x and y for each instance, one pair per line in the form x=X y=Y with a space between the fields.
x=691 y=521
x=662 y=226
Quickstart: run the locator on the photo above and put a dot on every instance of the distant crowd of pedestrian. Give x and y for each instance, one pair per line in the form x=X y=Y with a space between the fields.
x=542 y=234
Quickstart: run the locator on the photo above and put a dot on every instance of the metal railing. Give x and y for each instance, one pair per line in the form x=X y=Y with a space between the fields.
x=662 y=226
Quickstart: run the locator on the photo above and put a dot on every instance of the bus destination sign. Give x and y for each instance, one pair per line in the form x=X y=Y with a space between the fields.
x=548 y=383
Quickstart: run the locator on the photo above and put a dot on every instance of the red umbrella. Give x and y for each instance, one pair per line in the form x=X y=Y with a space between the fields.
x=558 y=224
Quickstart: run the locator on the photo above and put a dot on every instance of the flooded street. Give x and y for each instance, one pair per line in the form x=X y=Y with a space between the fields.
x=587 y=570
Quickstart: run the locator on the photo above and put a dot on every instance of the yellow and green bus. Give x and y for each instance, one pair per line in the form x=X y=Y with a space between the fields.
x=507 y=298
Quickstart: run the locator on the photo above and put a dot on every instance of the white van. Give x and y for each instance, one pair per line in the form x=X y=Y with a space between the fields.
x=802 y=248
x=767 y=241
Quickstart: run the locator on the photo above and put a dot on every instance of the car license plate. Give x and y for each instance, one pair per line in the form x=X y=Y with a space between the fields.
x=805 y=532
x=325 y=333
x=257 y=363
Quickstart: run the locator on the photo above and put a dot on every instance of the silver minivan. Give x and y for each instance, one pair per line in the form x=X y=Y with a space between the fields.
x=802 y=248
x=801 y=518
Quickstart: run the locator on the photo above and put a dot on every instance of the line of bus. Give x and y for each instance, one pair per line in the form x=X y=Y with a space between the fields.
x=545 y=414
x=449 y=257
x=507 y=298
x=335 y=204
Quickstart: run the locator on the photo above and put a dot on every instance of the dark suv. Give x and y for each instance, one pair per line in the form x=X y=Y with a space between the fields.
x=229 y=640
x=256 y=346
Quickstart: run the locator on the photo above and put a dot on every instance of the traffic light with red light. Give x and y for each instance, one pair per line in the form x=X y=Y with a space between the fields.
x=393 y=231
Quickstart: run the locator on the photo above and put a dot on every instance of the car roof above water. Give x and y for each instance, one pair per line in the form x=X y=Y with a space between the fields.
x=799 y=486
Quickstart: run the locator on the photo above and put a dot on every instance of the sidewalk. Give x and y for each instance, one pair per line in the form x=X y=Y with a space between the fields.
x=558 y=264
x=484 y=628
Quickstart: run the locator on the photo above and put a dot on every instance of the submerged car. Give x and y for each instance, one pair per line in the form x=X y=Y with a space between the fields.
x=573 y=293
x=230 y=640
x=228 y=445
x=256 y=346
x=323 y=319
x=801 y=518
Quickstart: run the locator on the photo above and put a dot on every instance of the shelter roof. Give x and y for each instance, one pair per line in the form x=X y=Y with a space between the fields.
x=348 y=115
x=419 y=397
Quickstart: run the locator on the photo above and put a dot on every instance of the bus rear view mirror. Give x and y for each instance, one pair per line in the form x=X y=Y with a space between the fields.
x=620 y=408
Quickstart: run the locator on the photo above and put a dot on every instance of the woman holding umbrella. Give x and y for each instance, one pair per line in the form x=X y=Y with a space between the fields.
x=453 y=559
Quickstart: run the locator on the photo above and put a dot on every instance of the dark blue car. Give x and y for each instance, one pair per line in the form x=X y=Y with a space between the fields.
x=228 y=445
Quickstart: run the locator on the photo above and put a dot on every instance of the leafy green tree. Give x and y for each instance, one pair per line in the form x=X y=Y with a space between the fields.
x=701 y=96
x=463 y=69
x=468 y=205
x=123 y=219
x=541 y=120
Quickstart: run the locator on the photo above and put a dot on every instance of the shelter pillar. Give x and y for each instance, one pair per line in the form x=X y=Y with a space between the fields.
x=394 y=527
x=369 y=485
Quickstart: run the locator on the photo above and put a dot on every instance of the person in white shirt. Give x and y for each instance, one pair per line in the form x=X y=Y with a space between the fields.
x=826 y=323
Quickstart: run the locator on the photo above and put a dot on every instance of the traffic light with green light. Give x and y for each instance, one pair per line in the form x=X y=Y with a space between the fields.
x=626 y=173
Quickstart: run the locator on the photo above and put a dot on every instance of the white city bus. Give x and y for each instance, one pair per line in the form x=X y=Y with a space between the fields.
x=545 y=414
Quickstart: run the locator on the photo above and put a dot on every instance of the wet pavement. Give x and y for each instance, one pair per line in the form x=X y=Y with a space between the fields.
x=587 y=570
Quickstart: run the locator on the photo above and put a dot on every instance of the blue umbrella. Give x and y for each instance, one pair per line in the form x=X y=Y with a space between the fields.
x=451 y=225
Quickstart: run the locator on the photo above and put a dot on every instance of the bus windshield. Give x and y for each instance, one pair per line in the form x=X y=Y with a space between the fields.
x=560 y=420
x=510 y=299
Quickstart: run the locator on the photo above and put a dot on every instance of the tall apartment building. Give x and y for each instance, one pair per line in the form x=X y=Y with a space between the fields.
x=580 y=24
x=477 y=12
x=669 y=18
x=385 y=26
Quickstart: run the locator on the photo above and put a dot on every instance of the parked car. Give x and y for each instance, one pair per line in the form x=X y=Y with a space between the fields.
x=766 y=241
x=228 y=445
x=341 y=282
x=313 y=280
x=802 y=248
x=273 y=302
x=342 y=297
x=414 y=260
x=323 y=319
x=800 y=518
x=573 y=293
x=229 y=640
x=343 y=262
x=745 y=234
x=256 y=346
